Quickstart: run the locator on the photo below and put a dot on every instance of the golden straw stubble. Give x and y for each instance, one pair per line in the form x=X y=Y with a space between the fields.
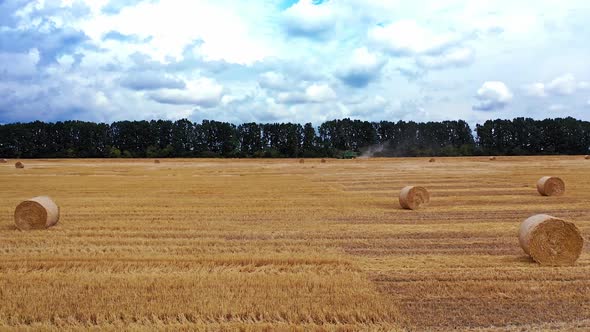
x=36 y=213
x=550 y=241
x=550 y=186
x=412 y=197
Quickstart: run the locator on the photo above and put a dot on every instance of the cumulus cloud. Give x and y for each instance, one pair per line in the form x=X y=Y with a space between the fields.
x=565 y=85
x=430 y=49
x=363 y=68
x=226 y=32
x=203 y=93
x=117 y=36
x=151 y=81
x=50 y=42
x=536 y=90
x=115 y=6
x=273 y=80
x=371 y=107
x=320 y=93
x=8 y=9
x=455 y=57
x=309 y=19
x=306 y=60
x=406 y=37
x=315 y=93
x=19 y=65
x=492 y=96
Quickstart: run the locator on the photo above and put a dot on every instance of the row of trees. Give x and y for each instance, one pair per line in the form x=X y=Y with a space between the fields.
x=184 y=138
x=523 y=136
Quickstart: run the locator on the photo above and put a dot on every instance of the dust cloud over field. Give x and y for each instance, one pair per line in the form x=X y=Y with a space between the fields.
x=279 y=245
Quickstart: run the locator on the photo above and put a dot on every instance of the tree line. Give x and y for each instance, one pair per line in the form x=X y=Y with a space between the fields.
x=183 y=138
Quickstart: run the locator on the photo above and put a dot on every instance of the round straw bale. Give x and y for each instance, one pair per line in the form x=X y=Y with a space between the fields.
x=19 y=165
x=3 y=161
x=550 y=241
x=302 y=161
x=587 y=157
x=492 y=158
x=156 y=161
x=412 y=198
x=323 y=161
x=550 y=186
x=432 y=160
x=36 y=213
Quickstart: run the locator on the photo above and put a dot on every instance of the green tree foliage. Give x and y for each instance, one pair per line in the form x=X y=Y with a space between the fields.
x=183 y=138
x=524 y=136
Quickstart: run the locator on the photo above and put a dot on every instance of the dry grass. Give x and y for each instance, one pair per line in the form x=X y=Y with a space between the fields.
x=260 y=245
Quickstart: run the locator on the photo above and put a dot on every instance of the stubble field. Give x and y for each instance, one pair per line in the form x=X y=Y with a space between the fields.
x=278 y=245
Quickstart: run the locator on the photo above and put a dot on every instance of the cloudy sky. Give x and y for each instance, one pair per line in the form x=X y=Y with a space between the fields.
x=289 y=60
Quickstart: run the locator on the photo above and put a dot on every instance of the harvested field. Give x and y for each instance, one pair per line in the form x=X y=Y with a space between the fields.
x=264 y=245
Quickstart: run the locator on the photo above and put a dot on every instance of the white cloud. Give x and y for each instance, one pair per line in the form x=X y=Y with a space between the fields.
x=454 y=57
x=372 y=107
x=316 y=93
x=273 y=80
x=151 y=81
x=429 y=48
x=493 y=95
x=564 y=85
x=172 y=25
x=19 y=64
x=203 y=92
x=362 y=68
x=246 y=60
x=308 y=19
x=536 y=90
x=406 y=37
x=320 y=93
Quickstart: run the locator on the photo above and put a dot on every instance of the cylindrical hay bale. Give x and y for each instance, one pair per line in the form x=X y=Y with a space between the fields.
x=550 y=186
x=587 y=157
x=432 y=160
x=492 y=158
x=156 y=161
x=3 y=161
x=19 y=165
x=550 y=241
x=412 y=198
x=36 y=213
x=302 y=161
x=323 y=161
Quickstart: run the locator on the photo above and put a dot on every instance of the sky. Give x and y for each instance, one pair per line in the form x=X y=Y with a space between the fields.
x=293 y=60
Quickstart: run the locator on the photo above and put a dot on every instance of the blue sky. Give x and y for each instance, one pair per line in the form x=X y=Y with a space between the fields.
x=289 y=60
